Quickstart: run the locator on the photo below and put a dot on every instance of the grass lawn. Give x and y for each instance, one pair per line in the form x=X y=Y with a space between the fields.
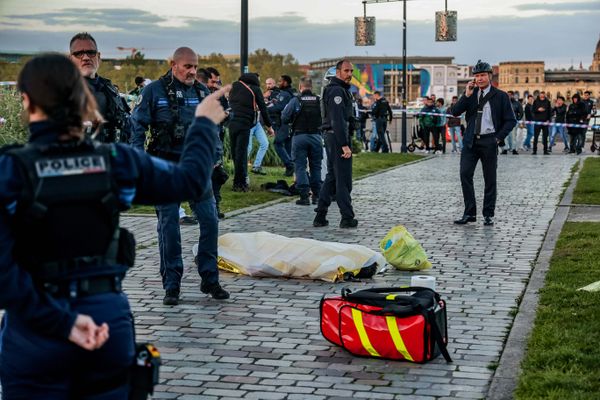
x=587 y=190
x=563 y=354
x=363 y=164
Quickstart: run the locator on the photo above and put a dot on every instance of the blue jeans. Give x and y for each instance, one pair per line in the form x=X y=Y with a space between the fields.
x=455 y=130
x=511 y=139
x=529 y=136
x=282 y=145
x=263 y=144
x=307 y=147
x=373 y=136
x=563 y=134
x=35 y=366
x=169 y=242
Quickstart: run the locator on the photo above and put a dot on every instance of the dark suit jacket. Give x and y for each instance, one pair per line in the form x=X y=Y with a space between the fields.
x=503 y=116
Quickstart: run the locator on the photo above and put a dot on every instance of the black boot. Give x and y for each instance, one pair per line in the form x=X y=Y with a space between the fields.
x=215 y=290
x=171 y=297
x=320 y=220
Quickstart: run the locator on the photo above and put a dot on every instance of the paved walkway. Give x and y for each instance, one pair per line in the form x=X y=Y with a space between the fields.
x=265 y=341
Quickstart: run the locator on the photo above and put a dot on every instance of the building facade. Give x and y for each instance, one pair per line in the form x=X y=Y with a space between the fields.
x=425 y=75
x=530 y=77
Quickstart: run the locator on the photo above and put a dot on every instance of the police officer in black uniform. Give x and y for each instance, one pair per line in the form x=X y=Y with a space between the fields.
x=490 y=118
x=303 y=114
x=382 y=113
x=283 y=141
x=62 y=254
x=166 y=107
x=338 y=120
x=114 y=109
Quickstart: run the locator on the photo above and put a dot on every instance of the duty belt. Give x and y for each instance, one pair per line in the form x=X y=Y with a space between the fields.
x=84 y=287
x=483 y=136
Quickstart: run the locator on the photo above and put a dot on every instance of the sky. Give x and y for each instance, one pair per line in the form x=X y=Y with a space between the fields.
x=561 y=33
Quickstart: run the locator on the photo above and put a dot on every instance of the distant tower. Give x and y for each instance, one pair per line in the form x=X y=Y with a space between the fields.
x=596 y=61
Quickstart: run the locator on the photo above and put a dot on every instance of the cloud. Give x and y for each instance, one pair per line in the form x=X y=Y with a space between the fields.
x=593 y=5
x=511 y=38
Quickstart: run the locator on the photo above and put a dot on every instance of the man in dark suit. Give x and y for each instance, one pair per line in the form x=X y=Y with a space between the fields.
x=490 y=118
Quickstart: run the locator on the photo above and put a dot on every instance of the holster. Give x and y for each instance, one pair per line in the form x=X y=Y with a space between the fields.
x=144 y=372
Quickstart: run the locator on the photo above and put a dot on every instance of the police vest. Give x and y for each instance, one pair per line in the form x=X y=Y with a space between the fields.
x=115 y=113
x=67 y=219
x=308 y=120
x=165 y=136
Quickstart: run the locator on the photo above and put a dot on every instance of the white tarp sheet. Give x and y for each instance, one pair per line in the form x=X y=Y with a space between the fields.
x=267 y=254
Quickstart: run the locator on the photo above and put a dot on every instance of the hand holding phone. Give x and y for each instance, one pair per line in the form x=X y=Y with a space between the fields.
x=470 y=88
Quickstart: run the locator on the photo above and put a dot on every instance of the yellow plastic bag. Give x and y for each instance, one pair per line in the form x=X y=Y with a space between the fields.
x=402 y=251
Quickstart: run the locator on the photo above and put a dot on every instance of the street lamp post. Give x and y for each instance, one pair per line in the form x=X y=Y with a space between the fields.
x=244 y=38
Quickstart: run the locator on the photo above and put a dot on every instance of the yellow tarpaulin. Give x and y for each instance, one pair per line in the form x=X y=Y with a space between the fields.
x=267 y=254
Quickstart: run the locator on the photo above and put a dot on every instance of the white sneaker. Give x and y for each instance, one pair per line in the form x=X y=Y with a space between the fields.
x=438 y=152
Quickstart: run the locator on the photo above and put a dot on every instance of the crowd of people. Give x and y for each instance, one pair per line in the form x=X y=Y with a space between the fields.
x=538 y=115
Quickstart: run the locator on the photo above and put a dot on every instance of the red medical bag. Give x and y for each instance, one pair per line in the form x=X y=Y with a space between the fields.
x=393 y=323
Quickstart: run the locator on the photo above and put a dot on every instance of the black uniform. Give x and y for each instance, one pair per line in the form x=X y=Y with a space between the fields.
x=245 y=100
x=541 y=116
x=382 y=113
x=338 y=113
x=480 y=145
x=114 y=110
x=303 y=114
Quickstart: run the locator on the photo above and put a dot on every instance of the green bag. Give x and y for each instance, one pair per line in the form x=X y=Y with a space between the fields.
x=402 y=251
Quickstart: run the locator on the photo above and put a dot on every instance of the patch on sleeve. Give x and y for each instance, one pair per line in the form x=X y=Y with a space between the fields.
x=139 y=100
x=337 y=99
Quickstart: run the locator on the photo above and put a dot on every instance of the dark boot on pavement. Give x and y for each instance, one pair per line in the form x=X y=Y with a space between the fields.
x=320 y=220
x=348 y=223
x=215 y=290
x=303 y=201
x=171 y=297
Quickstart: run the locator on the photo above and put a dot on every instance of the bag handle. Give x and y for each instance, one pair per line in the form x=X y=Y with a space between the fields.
x=346 y=292
x=439 y=339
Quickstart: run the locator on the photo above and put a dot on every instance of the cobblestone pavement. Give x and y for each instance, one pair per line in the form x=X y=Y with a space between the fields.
x=265 y=341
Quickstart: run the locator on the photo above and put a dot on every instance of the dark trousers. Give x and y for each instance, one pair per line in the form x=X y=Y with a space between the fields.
x=283 y=145
x=239 y=135
x=169 y=242
x=35 y=366
x=439 y=137
x=577 y=139
x=426 y=133
x=307 y=147
x=536 y=134
x=486 y=150
x=338 y=179
x=381 y=126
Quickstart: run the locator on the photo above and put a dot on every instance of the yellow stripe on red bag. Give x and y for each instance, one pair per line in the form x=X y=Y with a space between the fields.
x=362 y=333
x=397 y=337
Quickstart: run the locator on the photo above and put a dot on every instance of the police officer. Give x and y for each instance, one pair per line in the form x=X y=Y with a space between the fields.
x=303 y=114
x=338 y=112
x=282 y=140
x=114 y=109
x=166 y=106
x=382 y=113
x=62 y=254
x=490 y=118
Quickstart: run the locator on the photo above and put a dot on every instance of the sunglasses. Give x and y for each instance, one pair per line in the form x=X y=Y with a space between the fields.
x=89 y=53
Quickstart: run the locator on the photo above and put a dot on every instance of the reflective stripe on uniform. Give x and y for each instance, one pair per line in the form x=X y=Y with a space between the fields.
x=397 y=338
x=362 y=333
